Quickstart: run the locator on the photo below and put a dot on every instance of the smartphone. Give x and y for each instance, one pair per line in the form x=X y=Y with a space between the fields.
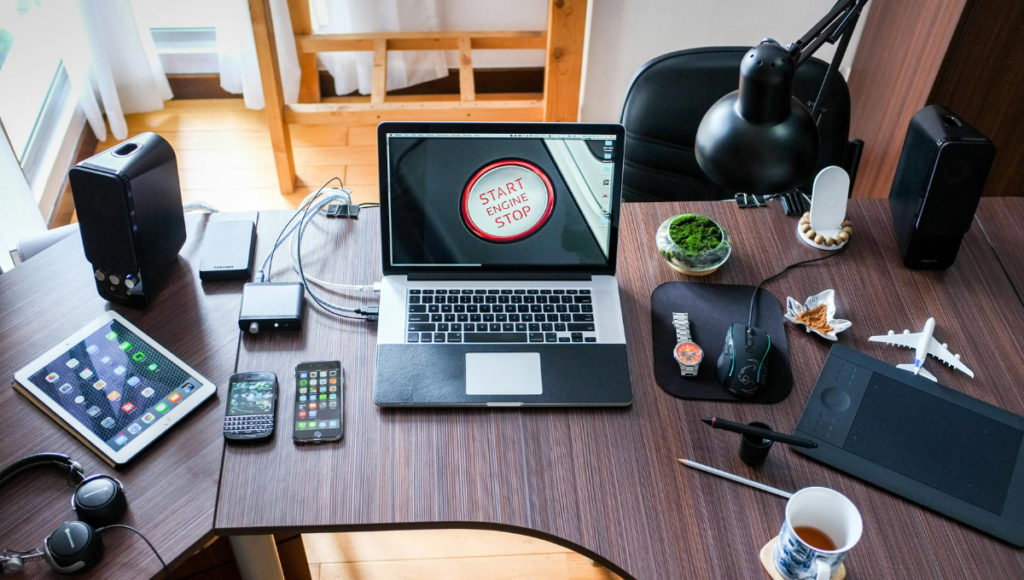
x=252 y=401
x=319 y=402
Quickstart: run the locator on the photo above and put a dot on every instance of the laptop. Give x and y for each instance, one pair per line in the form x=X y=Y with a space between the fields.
x=499 y=243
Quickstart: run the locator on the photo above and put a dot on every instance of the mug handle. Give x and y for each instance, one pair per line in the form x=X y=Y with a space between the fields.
x=824 y=569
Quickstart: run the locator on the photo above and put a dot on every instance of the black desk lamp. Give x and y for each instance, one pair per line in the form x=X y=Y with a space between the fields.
x=760 y=139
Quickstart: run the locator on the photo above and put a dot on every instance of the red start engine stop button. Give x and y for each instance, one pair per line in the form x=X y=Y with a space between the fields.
x=507 y=201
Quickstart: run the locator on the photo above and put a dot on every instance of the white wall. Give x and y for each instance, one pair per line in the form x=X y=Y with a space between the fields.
x=625 y=34
x=470 y=15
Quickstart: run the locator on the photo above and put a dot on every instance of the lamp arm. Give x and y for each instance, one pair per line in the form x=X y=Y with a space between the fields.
x=842 y=18
x=838 y=24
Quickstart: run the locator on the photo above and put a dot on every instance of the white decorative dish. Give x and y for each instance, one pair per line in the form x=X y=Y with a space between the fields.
x=828 y=298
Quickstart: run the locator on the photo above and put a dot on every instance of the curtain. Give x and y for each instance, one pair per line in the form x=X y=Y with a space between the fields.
x=354 y=70
x=236 y=52
x=239 y=69
x=113 y=68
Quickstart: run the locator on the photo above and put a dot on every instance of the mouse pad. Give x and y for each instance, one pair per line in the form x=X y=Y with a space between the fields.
x=712 y=309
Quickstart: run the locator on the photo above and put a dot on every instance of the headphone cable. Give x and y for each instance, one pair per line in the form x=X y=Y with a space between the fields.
x=167 y=570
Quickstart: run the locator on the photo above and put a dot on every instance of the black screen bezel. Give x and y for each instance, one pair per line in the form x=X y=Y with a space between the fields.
x=248 y=378
x=307 y=436
x=386 y=128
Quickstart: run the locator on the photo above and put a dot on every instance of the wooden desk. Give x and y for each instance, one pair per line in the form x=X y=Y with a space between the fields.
x=1002 y=220
x=172 y=487
x=606 y=482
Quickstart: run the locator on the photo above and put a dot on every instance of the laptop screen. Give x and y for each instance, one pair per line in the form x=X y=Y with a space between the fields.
x=461 y=199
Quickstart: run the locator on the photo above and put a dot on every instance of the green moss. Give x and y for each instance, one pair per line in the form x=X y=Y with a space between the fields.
x=695 y=234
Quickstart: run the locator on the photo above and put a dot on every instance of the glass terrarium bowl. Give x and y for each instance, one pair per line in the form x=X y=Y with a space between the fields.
x=690 y=263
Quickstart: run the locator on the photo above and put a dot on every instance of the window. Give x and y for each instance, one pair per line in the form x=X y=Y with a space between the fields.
x=30 y=65
x=183 y=31
x=186 y=50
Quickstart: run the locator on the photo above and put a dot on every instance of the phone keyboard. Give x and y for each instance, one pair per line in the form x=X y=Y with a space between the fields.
x=488 y=316
x=243 y=424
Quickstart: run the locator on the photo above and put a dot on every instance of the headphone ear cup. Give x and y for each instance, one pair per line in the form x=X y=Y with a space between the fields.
x=99 y=501
x=72 y=547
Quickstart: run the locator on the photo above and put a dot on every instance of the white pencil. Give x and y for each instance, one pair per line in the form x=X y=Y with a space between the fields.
x=736 y=478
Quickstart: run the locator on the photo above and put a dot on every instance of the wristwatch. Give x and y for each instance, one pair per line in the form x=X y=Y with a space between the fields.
x=686 y=352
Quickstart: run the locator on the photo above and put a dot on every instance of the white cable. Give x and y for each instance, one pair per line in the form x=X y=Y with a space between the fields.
x=198 y=205
x=261 y=274
x=304 y=222
x=346 y=198
x=310 y=207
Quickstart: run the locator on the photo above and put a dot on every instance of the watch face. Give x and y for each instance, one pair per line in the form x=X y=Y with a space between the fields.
x=688 y=353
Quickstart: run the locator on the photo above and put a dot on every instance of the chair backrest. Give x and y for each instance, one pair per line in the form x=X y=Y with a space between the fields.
x=666 y=101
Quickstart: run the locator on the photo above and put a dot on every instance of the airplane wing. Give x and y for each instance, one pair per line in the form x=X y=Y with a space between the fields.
x=904 y=340
x=940 y=352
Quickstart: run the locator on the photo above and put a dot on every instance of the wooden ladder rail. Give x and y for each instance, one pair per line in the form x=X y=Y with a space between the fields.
x=562 y=42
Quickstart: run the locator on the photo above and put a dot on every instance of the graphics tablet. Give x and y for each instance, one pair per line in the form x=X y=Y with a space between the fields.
x=114 y=387
x=928 y=443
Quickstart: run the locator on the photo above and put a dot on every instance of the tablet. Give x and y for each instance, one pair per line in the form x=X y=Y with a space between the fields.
x=928 y=443
x=114 y=387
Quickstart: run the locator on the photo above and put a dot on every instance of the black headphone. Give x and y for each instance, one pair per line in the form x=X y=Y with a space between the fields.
x=98 y=501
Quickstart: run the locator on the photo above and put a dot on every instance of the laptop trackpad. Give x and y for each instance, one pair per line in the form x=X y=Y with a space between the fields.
x=503 y=373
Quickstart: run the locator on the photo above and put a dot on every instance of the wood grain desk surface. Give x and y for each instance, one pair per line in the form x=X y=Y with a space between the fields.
x=1002 y=220
x=172 y=487
x=606 y=482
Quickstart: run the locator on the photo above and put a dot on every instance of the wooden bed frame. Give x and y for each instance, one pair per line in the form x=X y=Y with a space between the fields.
x=563 y=41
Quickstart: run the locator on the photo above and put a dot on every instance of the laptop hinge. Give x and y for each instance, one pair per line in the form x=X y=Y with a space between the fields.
x=433 y=276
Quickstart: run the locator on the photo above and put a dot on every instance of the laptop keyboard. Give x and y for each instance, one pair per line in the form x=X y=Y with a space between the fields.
x=489 y=316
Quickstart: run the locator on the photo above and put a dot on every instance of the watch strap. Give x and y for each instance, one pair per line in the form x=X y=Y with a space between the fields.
x=681 y=320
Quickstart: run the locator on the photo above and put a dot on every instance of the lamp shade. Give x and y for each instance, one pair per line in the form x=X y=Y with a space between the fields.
x=759 y=139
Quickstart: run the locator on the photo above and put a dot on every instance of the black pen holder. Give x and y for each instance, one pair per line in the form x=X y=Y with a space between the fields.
x=754 y=450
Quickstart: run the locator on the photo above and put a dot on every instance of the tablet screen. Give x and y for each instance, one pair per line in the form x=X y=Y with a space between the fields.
x=115 y=383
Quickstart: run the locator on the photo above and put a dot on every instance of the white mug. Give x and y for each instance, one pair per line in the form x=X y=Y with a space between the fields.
x=829 y=512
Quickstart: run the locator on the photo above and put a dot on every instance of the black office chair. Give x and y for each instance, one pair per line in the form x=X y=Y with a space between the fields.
x=667 y=99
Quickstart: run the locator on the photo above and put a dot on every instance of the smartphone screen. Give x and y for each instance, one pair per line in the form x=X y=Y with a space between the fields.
x=251 y=401
x=319 y=401
x=251 y=397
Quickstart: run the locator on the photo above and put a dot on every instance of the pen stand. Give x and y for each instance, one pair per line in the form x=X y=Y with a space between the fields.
x=754 y=450
x=825 y=227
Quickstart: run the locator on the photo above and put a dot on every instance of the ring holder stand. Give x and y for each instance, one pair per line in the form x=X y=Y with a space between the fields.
x=828 y=210
x=767 y=557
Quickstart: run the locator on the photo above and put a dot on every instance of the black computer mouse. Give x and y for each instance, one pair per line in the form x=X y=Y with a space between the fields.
x=743 y=364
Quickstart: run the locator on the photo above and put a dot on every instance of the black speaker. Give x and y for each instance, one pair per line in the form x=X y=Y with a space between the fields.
x=128 y=201
x=938 y=183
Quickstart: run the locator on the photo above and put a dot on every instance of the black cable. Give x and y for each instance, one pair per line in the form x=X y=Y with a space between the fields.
x=144 y=539
x=300 y=211
x=753 y=298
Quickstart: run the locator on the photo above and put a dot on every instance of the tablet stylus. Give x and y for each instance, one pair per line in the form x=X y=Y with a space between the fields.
x=742 y=429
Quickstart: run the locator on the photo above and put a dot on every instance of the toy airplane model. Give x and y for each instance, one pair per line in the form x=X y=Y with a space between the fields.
x=925 y=345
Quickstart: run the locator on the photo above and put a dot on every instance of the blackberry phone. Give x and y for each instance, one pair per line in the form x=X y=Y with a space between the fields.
x=252 y=399
x=319 y=402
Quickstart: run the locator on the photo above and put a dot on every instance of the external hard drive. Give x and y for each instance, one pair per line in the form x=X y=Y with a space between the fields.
x=227 y=250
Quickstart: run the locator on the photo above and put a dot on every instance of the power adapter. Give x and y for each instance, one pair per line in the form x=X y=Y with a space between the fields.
x=271 y=306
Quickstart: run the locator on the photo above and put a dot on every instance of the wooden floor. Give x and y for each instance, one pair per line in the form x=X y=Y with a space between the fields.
x=224 y=158
x=447 y=554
